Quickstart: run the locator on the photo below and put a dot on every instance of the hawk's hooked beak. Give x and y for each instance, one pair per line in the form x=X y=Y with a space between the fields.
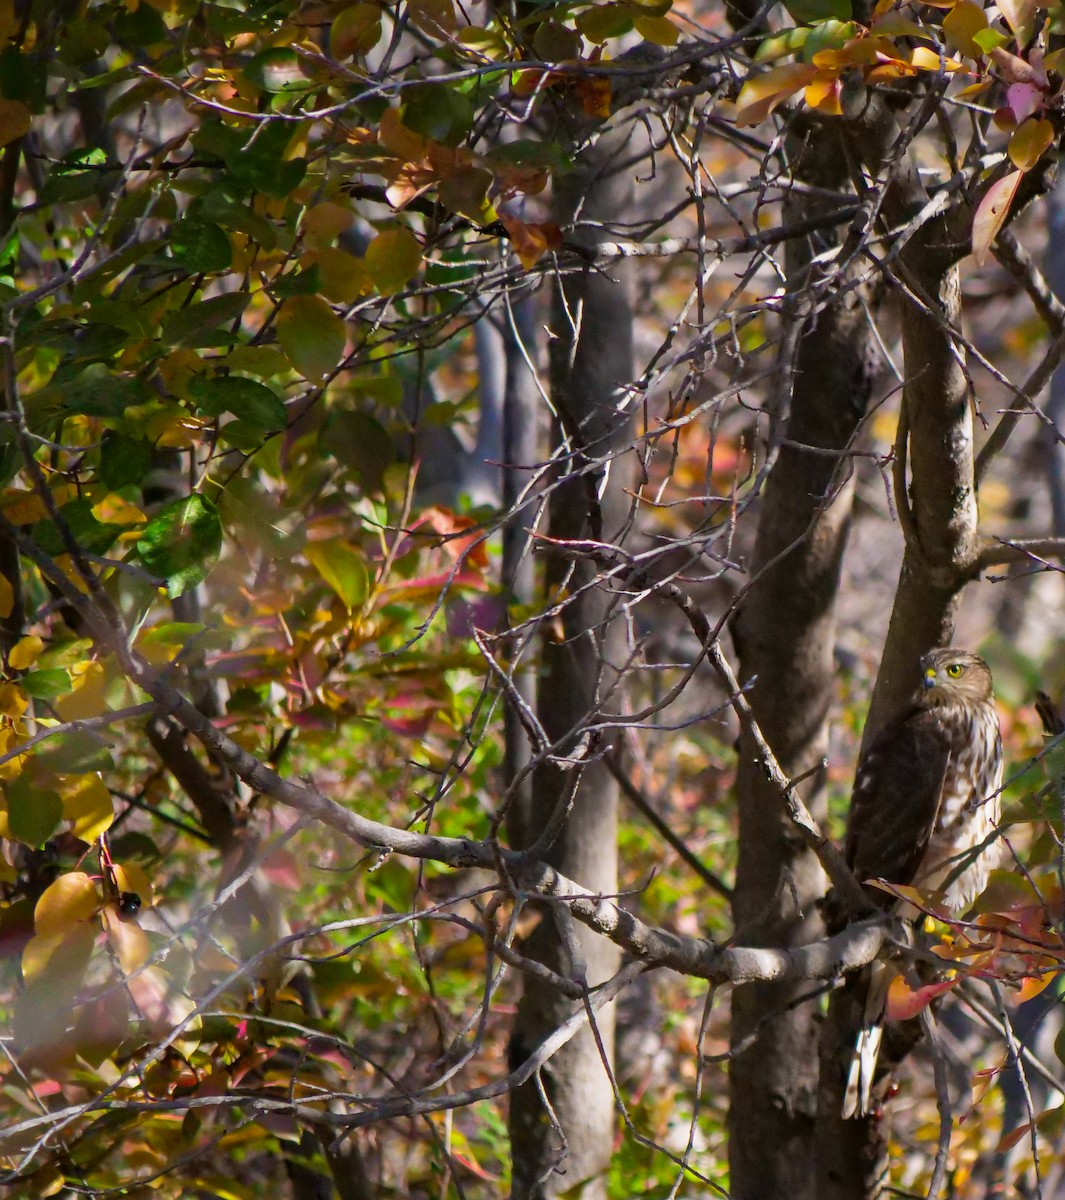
x=929 y=678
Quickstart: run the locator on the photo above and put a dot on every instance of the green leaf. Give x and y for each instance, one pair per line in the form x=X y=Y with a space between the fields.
x=32 y=812
x=197 y=324
x=342 y=567
x=182 y=543
x=360 y=442
x=812 y=11
x=199 y=246
x=216 y=206
x=75 y=753
x=89 y=533
x=990 y=39
x=46 y=684
x=123 y=460
x=312 y=336
x=438 y=112
x=392 y=259
x=253 y=402
x=96 y=391
x=278 y=69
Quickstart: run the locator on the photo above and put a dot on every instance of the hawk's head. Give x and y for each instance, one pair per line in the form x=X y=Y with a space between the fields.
x=950 y=676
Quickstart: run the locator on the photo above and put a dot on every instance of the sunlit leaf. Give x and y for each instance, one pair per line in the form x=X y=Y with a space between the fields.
x=760 y=96
x=74 y=753
x=355 y=30
x=278 y=69
x=71 y=898
x=46 y=684
x=33 y=813
x=991 y=213
x=823 y=93
x=961 y=24
x=87 y=804
x=61 y=954
x=127 y=940
x=1019 y=15
x=24 y=652
x=1029 y=142
x=181 y=544
x=342 y=567
x=132 y=878
x=87 y=697
x=904 y=1002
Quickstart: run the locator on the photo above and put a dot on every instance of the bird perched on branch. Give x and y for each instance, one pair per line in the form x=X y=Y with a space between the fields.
x=923 y=813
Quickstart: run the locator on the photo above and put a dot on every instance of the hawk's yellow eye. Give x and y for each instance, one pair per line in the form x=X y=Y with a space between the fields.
x=954 y=670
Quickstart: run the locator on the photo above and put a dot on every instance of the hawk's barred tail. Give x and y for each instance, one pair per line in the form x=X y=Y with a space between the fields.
x=858 y=1094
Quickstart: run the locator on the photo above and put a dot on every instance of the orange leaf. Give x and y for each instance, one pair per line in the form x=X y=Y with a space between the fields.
x=904 y=1003
x=991 y=213
x=530 y=242
x=14 y=120
x=823 y=93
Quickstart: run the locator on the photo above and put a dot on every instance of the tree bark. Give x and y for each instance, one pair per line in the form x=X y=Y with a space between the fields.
x=784 y=632
x=555 y=1151
x=939 y=521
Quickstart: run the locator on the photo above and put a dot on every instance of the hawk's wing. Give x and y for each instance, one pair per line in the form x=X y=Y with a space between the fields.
x=897 y=793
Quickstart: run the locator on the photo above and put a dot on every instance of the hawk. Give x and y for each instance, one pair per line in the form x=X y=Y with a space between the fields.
x=925 y=802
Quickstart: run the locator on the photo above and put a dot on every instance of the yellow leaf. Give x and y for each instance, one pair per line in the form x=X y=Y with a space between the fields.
x=9 y=21
x=404 y=143
x=7 y=597
x=324 y=222
x=959 y=25
x=23 y=508
x=760 y=95
x=659 y=30
x=132 y=878
x=344 y=277
x=14 y=120
x=1029 y=142
x=114 y=510
x=13 y=702
x=392 y=259
x=823 y=93
x=62 y=954
x=88 y=806
x=312 y=336
x=928 y=60
x=128 y=941
x=24 y=652
x=72 y=898
x=87 y=698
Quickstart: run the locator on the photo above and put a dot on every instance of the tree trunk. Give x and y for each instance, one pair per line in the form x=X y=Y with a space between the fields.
x=555 y=1151
x=784 y=632
x=938 y=518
